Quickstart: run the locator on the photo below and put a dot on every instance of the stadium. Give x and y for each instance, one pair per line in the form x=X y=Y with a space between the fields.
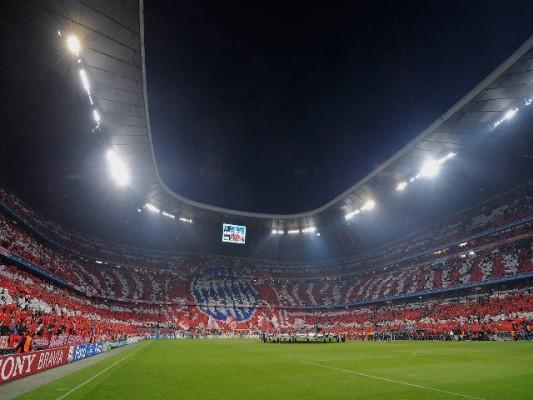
x=167 y=230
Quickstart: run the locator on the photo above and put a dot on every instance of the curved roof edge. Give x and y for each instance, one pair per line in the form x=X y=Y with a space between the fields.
x=521 y=51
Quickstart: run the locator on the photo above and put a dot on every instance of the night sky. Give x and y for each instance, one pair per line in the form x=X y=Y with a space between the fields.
x=279 y=107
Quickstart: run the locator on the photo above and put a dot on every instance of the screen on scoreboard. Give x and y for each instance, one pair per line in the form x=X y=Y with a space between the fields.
x=233 y=233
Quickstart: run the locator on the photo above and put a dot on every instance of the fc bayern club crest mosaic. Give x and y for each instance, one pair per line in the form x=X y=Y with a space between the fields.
x=221 y=293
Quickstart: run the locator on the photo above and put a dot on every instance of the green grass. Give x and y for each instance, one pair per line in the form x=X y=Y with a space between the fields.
x=239 y=369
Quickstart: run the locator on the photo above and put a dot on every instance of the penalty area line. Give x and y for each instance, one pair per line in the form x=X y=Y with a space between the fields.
x=381 y=378
x=99 y=373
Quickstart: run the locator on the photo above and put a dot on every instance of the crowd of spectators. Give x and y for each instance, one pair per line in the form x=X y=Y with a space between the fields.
x=30 y=304
x=491 y=243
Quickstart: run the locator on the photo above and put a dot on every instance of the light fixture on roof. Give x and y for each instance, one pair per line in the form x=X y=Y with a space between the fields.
x=96 y=116
x=401 y=186
x=293 y=231
x=510 y=114
x=310 y=229
x=451 y=154
x=351 y=214
x=430 y=168
x=369 y=205
x=117 y=168
x=168 y=215
x=73 y=44
x=188 y=220
x=152 y=208
x=85 y=81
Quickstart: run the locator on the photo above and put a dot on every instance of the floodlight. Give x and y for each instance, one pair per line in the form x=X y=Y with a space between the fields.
x=369 y=205
x=119 y=171
x=96 y=116
x=430 y=169
x=85 y=80
x=318 y=234
x=293 y=231
x=310 y=229
x=188 y=220
x=73 y=44
x=351 y=214
x=451 y=154
x=401 y=186
x=152 y=208
x=510 y=114
x=168 y=215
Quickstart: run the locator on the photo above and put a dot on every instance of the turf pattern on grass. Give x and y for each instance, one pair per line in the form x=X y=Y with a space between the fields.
x=244 y=369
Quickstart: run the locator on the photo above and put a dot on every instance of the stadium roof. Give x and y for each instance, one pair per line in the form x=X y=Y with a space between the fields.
x=117 y=65
x=113 y=53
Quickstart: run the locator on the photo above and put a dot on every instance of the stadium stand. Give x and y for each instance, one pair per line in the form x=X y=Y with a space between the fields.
x=467 y=277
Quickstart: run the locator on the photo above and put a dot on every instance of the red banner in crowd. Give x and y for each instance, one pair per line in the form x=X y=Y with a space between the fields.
x=16 y=366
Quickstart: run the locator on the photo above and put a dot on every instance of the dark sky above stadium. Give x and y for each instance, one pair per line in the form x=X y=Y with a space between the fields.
x=280 y=106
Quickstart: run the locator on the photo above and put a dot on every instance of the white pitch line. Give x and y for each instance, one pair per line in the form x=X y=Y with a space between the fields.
x=98 y=374
x=380 y=378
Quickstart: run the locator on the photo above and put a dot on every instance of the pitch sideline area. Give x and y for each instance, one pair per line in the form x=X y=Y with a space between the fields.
x=243 y=369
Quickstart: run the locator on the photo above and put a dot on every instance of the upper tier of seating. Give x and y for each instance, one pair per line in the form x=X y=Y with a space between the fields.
x=474 y=227
x=494 y=257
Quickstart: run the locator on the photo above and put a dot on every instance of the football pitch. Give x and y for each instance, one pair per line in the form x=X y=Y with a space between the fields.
x=246 y=369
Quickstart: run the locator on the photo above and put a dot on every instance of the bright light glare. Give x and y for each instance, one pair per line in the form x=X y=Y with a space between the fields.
x=188 y=220
x=96 y=116
x=310 y=229
x=168 y=215
x=85 y=80
x=119 y=171
x=369 y=205
x=152 y=208
x=510 y=114
x=351 y=214
x=401 y=186
x=447 y=157
x=73 y=45
x=293 y=231
x=430 y=169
